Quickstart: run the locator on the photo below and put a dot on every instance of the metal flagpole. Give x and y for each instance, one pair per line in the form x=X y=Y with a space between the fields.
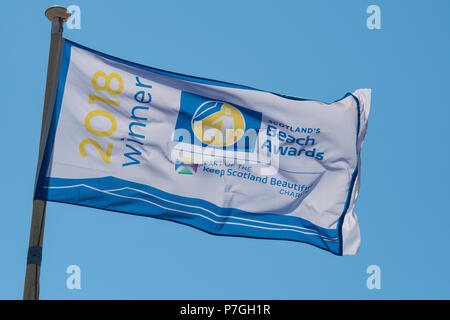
x=57 y=15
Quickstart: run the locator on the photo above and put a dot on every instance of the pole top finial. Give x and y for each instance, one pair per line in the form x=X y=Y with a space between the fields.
x=57 y=12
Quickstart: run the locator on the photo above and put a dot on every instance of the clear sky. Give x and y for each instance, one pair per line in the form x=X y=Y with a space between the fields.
x=312 y=49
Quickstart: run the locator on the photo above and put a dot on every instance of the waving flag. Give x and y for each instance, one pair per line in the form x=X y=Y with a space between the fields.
x=224 y=158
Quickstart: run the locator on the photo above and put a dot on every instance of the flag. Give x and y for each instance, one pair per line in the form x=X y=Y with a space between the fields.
x=224 y=158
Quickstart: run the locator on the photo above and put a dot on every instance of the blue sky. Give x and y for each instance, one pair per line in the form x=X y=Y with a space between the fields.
x=313 y=49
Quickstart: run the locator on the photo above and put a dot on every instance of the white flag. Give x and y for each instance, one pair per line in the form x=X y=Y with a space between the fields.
x=224 y=158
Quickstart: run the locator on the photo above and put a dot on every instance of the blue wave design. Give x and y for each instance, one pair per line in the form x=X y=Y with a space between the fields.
x=114 y=194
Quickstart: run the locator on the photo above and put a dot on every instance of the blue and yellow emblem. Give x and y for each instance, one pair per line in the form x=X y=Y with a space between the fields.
x=216 y=123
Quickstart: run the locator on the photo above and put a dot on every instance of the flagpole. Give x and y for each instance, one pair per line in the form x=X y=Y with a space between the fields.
x=57 y=15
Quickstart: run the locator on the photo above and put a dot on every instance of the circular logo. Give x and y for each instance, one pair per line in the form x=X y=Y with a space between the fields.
x=218 y=124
